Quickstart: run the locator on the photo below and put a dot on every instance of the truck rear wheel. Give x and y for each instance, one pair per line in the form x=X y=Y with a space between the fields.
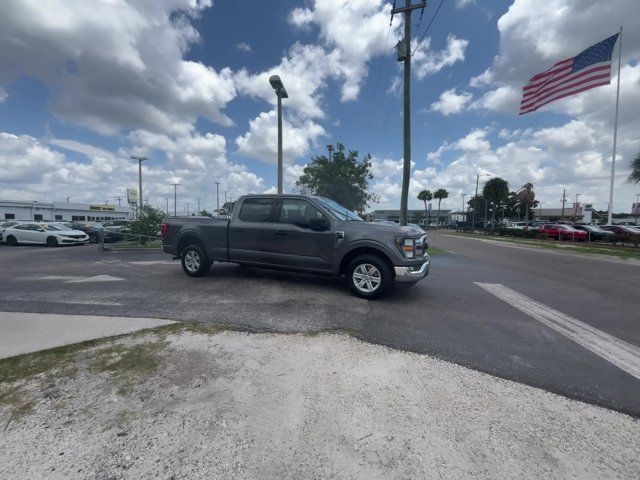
x=195 y=262
x=369 y=276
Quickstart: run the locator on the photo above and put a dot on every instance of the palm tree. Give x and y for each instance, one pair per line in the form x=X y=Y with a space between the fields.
x=425 y=196
x=634 y=176
x=496 y=191
x=440 y=194
x=527 y=196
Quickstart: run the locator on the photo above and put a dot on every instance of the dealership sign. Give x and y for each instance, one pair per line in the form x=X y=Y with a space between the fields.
x=132 y=196
x=103 y=208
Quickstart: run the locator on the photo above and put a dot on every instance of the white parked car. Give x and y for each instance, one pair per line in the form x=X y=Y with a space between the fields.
x=43 y=234
x=6 y=224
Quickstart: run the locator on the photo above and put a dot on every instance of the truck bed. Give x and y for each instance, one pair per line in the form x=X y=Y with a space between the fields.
x=210 y=232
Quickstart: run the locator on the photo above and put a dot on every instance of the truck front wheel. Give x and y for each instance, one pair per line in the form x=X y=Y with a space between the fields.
x=368 y=276
x=195 y=262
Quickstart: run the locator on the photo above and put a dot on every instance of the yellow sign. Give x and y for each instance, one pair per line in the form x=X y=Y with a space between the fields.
x=103 y=208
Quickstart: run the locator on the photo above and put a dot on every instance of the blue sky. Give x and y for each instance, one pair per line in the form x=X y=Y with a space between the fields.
x=83 y=85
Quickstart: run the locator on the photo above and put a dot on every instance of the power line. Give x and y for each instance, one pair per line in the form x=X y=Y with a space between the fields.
x=428 y=27
x=379 y=76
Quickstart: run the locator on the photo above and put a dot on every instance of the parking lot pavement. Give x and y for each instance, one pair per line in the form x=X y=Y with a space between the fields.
x=237 y=405
x=449 y=315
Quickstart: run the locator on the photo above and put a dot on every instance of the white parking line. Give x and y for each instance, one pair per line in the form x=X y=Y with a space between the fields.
x=618 y=352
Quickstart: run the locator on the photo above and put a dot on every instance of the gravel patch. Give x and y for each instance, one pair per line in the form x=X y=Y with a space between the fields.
x=240 y=405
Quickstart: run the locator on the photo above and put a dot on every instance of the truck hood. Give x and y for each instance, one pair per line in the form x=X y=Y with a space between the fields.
x=381 y=227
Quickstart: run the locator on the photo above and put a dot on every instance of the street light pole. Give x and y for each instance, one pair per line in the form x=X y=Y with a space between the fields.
x=167 y=200
x=475 y=200
x=575 y=208
x=464 y=217
x=637 y=206
x=281 y=93
x=175 y=199
x=218 y=198
x=140 y=160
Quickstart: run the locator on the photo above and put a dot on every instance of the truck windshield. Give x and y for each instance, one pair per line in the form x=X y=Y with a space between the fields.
x=337 y=210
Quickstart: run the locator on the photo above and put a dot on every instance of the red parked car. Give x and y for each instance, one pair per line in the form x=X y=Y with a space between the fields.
x=563 y=232
x=632 y=232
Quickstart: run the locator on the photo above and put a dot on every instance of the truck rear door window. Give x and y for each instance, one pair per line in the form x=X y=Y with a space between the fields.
x=257 y=210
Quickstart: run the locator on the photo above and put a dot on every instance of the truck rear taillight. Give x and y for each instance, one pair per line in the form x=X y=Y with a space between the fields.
x=163 y=230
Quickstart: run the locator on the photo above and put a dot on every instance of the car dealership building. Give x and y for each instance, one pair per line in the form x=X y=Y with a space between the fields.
x=61 y=211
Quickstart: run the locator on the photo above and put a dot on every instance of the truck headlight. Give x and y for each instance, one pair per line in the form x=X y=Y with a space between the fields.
x=407 y=246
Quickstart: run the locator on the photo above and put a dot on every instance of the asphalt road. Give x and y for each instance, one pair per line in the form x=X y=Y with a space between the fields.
x=448 y=315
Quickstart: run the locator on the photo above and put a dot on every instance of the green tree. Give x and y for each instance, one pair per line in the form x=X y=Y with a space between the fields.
x=148 y=222
x=426 y=196
x=204 y=213
x=495 y=191
x=526 y=196
x=440 y=195
x=634 y=176
x=342 y=178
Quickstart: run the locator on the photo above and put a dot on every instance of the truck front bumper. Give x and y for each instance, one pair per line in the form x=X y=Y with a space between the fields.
x=412 y=274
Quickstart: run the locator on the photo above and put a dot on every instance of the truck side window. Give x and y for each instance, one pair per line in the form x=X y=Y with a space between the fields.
x=298 y=212
x=257 y=209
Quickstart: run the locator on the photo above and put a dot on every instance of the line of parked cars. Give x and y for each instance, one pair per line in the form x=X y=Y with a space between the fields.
x=582 y=233
x=54 y=234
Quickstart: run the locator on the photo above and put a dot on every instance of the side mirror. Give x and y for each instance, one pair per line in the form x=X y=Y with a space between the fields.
x=319 y=224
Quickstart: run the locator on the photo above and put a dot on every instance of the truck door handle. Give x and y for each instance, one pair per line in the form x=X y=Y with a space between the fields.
x=281 y=233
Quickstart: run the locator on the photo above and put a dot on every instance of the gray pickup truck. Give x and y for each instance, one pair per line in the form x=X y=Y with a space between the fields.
x=302 y=233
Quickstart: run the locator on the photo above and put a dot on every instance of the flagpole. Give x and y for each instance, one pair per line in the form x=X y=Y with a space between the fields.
x=615 y=133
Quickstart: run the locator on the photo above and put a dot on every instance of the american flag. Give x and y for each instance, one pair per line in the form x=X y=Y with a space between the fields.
x=590 y=68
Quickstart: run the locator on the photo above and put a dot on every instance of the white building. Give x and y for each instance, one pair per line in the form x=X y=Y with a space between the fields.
x=61 y=211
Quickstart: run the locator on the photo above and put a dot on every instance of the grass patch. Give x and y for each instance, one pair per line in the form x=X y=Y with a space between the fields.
x=436 y=251
x=133 y=245
x=21 y=403
x=126 y=364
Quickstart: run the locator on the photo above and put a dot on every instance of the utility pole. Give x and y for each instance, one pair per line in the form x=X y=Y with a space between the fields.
x=198 y=212
x=330 y=148
x=119 y=201
x=404 y=55
x=140 y=160
x=218 y=197
x=564 y=200
x=225 y=197
x=187 y=209
x=167 y=200
x=175 y=199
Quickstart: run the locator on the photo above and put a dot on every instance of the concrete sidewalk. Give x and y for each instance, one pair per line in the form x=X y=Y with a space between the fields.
x=30 y=332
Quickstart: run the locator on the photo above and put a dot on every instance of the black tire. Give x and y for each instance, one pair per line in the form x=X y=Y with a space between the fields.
x=195 y=262
x=11 y=241
x=381 y=270
x=52 y=242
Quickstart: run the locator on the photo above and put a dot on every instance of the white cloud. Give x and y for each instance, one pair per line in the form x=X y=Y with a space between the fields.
x=504 y=99
x=3 y=94
x=464 y=3
x=260 y=142
x=243 y=47
x=426 y=62
x=451 y=102
x=352 y=34
x=114 y=66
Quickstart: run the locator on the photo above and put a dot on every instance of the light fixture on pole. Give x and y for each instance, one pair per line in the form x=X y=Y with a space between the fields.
x=575 y=208
x=281 y=93
x=140 y=160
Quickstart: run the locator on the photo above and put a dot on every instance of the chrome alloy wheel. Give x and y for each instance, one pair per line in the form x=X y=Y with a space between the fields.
x=367 y=278
x=192 y=261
